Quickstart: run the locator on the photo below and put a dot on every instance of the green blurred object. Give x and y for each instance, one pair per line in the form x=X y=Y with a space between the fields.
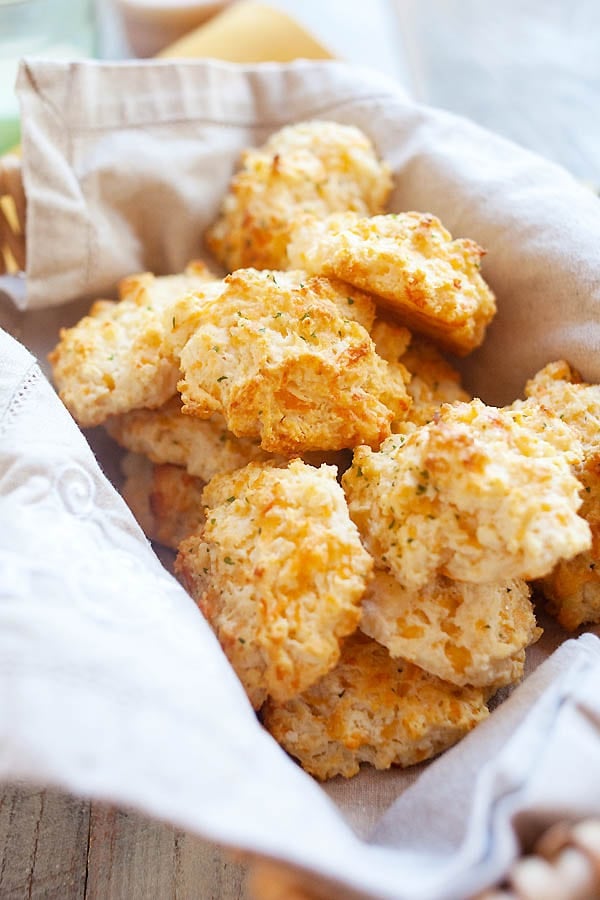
x=53 y=29
x=10 y=131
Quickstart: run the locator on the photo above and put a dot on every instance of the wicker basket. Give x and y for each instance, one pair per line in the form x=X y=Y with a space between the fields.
x=12 y=215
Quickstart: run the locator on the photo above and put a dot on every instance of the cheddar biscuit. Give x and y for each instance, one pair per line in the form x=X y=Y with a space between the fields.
x=313 y=167
x=165 y=500
x=115 y=359
x=463 y=633
x=561 y=388
x=474 y=495
x=433 y=381
x=411 y=264
x=204 y=447
x=430 y=379
x=284 y=365
x=279 y=571
x=372 y=709
x=573 y=587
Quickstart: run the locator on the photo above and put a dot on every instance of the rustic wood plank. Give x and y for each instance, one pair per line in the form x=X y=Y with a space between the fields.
x=52 y=846
x=129 y=857
x=205 y=870
x=133 y=858
x=43 y=844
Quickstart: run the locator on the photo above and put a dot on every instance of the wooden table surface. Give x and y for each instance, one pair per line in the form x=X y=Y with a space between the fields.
x=56 y=846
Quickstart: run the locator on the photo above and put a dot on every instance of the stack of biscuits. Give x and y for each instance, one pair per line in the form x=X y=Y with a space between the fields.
x=359 y=532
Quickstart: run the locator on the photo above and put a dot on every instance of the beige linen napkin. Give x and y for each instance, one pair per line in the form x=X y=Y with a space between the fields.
x=125 y=165
x=110 y=682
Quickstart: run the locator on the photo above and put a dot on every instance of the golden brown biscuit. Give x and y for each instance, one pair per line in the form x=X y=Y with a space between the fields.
x=463 y=633
x=430 y=380
x=411 y=264
x=561 y=388
x=548 y=425
x=390 y=343
x=473 y=495
x=115 y=359
x=279 y=572
x=283 y=365
x=372 y=709
x=165 y=500
x=312 y=167
x=433 y=381
x=204 y=447
x=573 y=586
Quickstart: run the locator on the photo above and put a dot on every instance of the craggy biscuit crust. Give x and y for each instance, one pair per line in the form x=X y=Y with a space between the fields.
x=165 y=500
x=561 y=388
x=433 y=381
x=430 y=379
x=550 y=426
x=463 y=633
x=115 y=359
x=204 y=447
x=473 y=495
x=313 y=167
x=372 y=709
x=573 y=587
x=411 y=264
x=282 y=364
x=279 y=572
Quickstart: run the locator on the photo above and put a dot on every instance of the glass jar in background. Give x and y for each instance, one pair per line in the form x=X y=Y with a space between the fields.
x=54 y=29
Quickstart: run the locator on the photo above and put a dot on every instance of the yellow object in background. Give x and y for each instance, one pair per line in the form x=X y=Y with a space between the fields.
x=249 y=32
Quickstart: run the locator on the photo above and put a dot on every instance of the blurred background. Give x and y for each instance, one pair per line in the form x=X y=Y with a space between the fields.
x=527 y=69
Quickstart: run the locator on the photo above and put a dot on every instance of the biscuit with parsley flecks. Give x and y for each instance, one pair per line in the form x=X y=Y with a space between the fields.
x=474 y=495
x=573 y=586
x=410 y=263
x=286 y=362
x=311 y=167
x=204 y=447
x=279 y=572
x=463 y=633
x=121 y=355
x=430 y=379
x=372 y=709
